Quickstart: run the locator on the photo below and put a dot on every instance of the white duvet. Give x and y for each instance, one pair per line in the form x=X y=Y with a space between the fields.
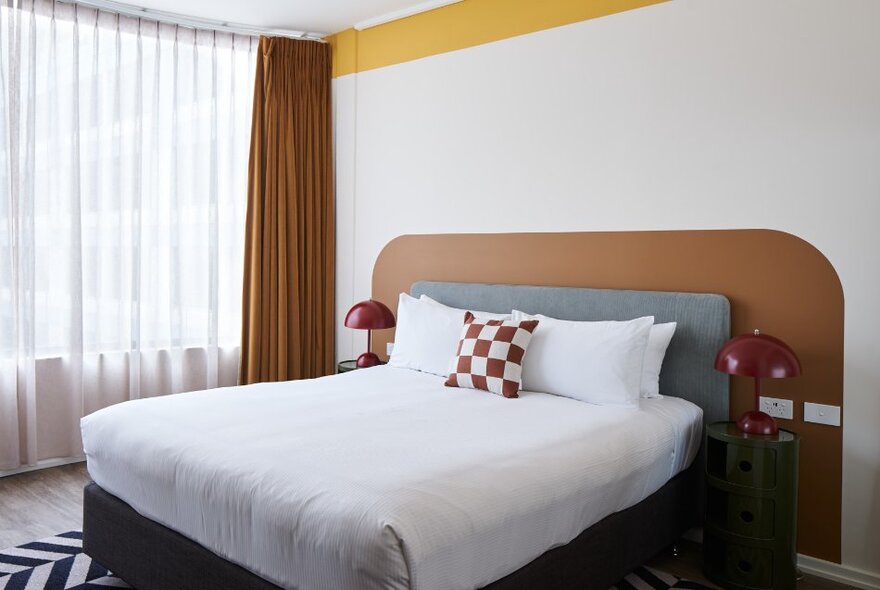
x=383 y=478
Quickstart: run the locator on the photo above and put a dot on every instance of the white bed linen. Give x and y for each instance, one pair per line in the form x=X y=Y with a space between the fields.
x=383 y=477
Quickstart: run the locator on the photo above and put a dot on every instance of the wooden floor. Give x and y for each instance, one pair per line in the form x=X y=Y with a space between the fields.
x=42 y=503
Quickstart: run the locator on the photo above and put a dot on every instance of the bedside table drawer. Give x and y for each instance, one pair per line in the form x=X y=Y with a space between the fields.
x=741 y=515
x=741 y=565
x=744 y=465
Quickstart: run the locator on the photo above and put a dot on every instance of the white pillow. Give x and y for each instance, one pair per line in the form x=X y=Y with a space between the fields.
x=427 y=335
x=478 y=315
x=596 y=362
x=658 y=342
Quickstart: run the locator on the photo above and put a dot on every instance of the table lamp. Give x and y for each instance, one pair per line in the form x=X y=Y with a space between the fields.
x=369 y=315
x=760 y=356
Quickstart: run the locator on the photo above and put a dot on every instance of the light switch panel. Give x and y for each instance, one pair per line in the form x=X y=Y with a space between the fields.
x=822 y=414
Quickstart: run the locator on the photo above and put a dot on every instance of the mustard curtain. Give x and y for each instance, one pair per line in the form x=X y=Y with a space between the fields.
x=288 y=303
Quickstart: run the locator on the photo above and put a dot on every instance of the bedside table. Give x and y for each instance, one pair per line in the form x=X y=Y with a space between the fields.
x=346 y=366
x=750 y=529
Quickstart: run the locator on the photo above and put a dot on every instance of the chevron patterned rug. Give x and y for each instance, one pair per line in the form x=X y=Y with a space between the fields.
x=58 y=563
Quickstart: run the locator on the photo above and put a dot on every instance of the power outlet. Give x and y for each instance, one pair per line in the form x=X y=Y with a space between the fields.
x=778 y=408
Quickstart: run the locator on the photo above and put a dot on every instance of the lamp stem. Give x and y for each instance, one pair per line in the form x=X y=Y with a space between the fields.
x=757 y=394
x=370 y=341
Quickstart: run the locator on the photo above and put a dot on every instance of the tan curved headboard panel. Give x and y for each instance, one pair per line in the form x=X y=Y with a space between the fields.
x=775 y=281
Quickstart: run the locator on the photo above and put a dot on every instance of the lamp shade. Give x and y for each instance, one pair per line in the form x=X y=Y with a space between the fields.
x=757 y=355
x=369 y=315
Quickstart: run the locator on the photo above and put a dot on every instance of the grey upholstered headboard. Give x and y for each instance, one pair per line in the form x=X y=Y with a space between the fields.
x=703 y=326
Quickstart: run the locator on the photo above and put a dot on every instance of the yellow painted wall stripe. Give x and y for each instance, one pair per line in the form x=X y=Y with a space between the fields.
x=461 y=25
x=344 y=50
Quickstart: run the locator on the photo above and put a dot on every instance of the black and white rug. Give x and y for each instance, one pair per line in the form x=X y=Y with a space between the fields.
x=646 y=578
x=58 y=563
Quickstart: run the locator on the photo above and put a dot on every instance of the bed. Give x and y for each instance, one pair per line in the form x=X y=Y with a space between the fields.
x=285 y=489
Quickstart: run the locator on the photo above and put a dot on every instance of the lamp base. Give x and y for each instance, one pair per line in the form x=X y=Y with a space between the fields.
x=368 y=359
x=755 y=422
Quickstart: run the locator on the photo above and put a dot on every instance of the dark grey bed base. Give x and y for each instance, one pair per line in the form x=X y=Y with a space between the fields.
x=150 y=556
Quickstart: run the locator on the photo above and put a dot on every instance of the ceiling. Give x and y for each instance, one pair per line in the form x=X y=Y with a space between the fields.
x=314 y=16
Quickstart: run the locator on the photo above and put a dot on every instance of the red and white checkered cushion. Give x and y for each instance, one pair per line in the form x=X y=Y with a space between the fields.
x=490 y=355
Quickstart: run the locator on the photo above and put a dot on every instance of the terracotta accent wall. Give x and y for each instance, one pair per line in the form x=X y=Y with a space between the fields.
x=775 y=281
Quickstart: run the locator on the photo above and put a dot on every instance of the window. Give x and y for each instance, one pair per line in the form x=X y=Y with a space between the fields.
x=123 y=184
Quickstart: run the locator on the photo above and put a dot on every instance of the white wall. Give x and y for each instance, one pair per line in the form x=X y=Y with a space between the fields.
x=689 y=114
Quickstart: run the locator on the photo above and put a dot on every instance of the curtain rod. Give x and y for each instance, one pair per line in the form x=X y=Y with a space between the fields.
x=194 y=22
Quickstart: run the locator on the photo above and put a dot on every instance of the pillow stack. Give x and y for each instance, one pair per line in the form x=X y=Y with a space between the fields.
x=609 y=363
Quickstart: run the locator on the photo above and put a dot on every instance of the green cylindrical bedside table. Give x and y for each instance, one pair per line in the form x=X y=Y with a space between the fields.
x=346 y=366
x=751 y=508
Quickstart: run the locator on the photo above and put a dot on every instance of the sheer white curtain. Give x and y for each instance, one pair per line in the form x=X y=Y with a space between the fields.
x=123 y=173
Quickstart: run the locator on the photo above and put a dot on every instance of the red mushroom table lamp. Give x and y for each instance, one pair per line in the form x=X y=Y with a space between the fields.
x=369 y=315
x=760 y=356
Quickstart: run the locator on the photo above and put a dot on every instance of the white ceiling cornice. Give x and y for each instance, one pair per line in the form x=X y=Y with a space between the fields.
x=309 y=19
x=403 y=13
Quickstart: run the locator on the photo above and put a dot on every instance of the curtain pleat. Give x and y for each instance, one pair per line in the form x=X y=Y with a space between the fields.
x=288 y=294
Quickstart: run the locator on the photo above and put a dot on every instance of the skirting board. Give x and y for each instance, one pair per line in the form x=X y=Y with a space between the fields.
x=838 y=573
x=43 y=464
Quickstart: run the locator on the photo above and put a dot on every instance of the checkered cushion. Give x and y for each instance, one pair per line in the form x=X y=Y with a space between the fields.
x=490 y=355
